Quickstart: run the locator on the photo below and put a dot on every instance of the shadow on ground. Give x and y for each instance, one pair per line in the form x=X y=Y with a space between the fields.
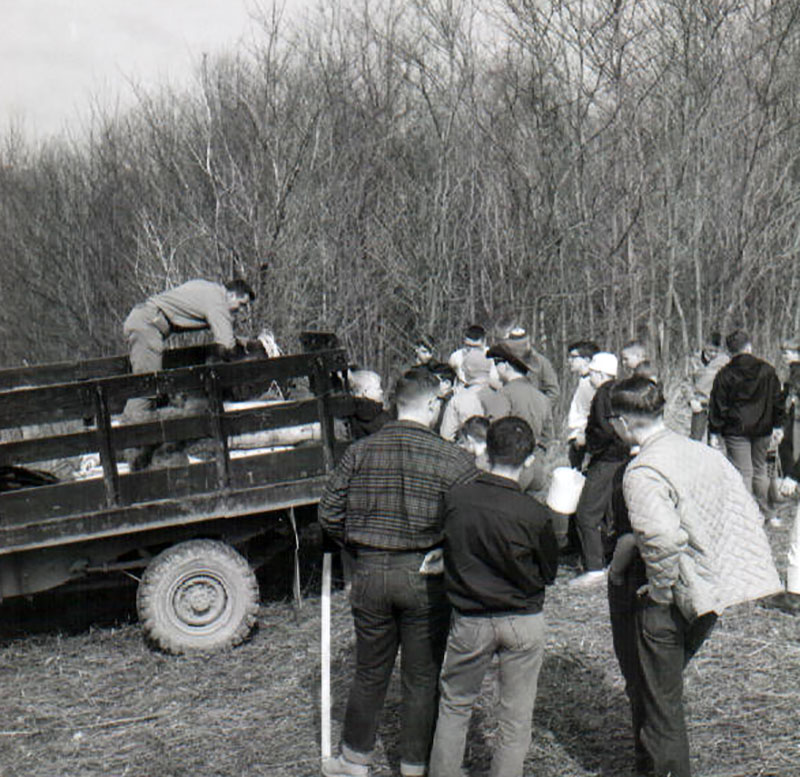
x=585 y=716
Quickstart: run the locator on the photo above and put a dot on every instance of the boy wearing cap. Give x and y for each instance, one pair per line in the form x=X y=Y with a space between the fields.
x=540 y=370
x=499 y=554
x=607 y=452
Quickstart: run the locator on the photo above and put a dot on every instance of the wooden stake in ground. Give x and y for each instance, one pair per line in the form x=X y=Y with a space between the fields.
x=325 y=651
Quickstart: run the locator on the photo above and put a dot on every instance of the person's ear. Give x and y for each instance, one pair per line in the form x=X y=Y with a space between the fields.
x=529 y=461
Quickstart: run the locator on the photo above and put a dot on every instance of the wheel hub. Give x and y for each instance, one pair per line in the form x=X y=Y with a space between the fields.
x=199 y=600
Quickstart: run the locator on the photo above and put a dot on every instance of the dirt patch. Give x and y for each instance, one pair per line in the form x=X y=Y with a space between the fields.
x=88 y=697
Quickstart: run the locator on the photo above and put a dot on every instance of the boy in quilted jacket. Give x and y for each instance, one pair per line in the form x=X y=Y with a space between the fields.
x=700 y=535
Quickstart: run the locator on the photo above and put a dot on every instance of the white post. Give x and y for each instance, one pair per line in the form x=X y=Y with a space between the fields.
x=325 y=650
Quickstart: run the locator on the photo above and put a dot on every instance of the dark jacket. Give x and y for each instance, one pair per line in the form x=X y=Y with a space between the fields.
x=368 y=417
x=602 y=442
x=499 y=548
x=746 y=399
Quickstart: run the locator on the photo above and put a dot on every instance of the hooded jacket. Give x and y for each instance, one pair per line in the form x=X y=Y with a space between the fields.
x=746 y=399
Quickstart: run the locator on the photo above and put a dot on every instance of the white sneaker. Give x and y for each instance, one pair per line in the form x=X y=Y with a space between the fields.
x=412 y=770
x=588 y=579
x=342 y=767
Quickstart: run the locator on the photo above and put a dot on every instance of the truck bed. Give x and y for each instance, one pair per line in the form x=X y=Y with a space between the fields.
x=87 y=395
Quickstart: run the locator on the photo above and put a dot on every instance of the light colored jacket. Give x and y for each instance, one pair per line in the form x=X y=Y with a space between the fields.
x=464 y=404
x=579 y=407
x=703 y=377
x=198 y=304
x=698 y=529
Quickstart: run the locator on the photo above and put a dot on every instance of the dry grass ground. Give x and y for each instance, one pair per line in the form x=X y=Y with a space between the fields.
x=80 y=700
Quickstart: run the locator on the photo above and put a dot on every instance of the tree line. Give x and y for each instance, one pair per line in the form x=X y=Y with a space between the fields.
x=589 y=168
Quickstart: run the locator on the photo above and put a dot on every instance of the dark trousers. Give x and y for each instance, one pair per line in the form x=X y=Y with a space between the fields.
x=591 y=511
x=576 y=453
x=666 y=643
x=393 y=605
x=623 y=605
x=699 y=424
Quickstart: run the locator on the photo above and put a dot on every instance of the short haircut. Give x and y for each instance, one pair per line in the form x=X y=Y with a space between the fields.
x=474 y=332
x=635 y=345
x=444 y=372
x=585 y=348
x=476 y=426
x=637 y=395
x=241 y=288
x=415 y=384
x=737 y=341
x=509 y=441
x=715 y=339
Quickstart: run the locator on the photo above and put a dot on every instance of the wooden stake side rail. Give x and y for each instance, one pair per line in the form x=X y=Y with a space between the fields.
x=69 y=512
x=69 y=372
x=114 y=505
x=113 y=522
x=189 y=427
x=69 y=401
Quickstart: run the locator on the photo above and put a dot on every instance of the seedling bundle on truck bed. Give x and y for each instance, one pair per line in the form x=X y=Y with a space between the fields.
x=178 y=522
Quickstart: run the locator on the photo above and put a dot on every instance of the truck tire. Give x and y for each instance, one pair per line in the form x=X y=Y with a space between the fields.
x=199 y=595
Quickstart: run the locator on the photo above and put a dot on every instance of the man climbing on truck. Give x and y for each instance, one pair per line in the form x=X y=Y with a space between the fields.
x=195 y=305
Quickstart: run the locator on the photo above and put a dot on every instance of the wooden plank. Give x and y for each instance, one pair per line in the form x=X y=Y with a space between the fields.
x=69 y=372
x=62 y=402
x=189 y=427
x=60 y=446
x=321 y=386
x=62 y=372
x=216 y=412
x=25 y=406
x=34 y=506
x=106 y=447
x=174 y=512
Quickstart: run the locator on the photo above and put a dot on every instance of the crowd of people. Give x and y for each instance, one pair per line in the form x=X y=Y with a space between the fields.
x=443 y=516
x=446 y=524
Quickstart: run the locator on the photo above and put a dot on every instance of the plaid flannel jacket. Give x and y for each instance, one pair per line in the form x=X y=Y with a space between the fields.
x=387 y=491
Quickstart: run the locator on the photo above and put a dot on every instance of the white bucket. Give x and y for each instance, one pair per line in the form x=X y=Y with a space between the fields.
x=565 y=490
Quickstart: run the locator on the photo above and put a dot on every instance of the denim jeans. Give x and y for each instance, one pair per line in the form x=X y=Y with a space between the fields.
x=518 y=641
x=749 y=456
x=666 y=644
x=394 y=605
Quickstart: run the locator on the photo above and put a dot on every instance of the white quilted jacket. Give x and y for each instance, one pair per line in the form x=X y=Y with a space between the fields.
x=699 y=530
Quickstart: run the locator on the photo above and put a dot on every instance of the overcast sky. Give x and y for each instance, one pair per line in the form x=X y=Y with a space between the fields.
x=57 y=57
